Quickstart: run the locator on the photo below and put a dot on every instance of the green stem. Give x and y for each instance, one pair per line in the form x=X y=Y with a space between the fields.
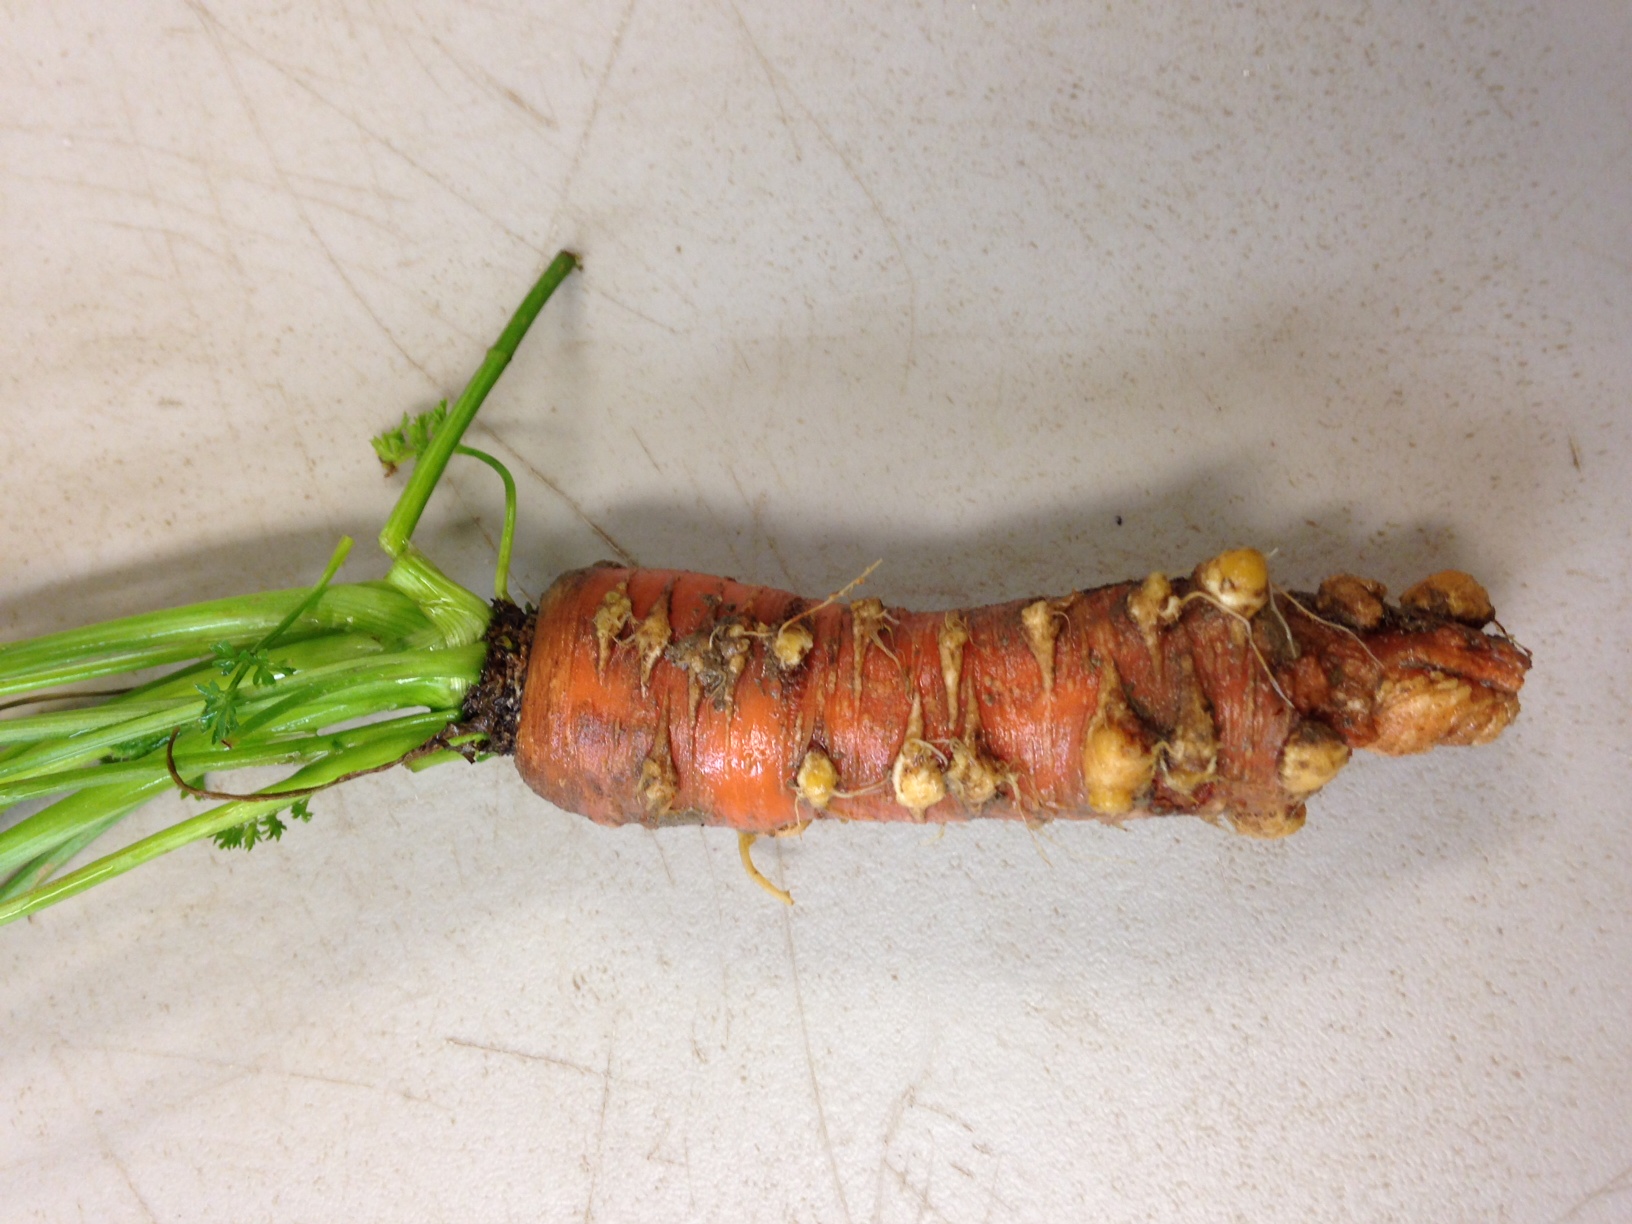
x=154 y=639
x=501 y=575
x=220 y=728
x=309 y=654
x=62 y=723
x=105 y=793
x=458 y=616
x=212 y=757
x=67 y=818
x=338 y=691
x=35 y=873
x=429 y=466
x=386 y=742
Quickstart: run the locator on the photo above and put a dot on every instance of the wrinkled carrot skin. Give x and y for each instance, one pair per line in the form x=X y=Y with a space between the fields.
x=586 y=733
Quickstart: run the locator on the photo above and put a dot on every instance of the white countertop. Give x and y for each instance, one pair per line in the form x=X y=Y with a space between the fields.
x=1016 y=298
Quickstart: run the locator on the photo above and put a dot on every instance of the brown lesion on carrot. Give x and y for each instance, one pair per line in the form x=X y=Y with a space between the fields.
x=1418 y=710
x=610 y=619
x=1237 y=581
x=950 y=639
x=1451 y=594
x=652 y=636
x=973 y=775
x=732 y=640
x=790 y=644
x=713 y=659
x=868 y=623
x=1352 y=601
x=1269 y=823
x=817 y=780
x=1042 y=621
x=1189 y=755
x=1237 y=584
x=659 y=785
x=816 y=783
x=1153 y=607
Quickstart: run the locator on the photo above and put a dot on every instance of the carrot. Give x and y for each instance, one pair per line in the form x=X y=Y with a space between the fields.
x=658 y=697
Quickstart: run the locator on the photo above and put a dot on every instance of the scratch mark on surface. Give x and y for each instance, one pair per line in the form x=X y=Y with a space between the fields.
x=941 y=1111
x=891 y=1128
x=600 y=1138
x=101 y=1135
x=773 y=79
x=375 y=193
x=474 y=517
x=482 y=78
x=624 y=554
x=890 y=230
x=245 y=281
x=810 y=1065
x=254 y=1068
x=624 y=306
x=647 y=451
x=169 y=239
x=776 y=551
x=756 y=511
x=778 y=84
x=219 y=31
x=705 y=844
x=662 y=854
x=370 y=219
x=171 y=236
x=594 y=111
x=565 y=1064
x=1619 y=1184
x=721 y=533
x=920 y=1194
x=993 y=1199
x=214 y=30
x=409 y=42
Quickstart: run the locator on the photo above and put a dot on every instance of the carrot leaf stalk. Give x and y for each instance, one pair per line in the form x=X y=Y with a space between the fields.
x=448 y=432
x=507 y=537
x=335 y=679
x=413 y=437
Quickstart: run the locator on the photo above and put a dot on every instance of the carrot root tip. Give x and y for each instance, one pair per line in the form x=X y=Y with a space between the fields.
x=745 y=842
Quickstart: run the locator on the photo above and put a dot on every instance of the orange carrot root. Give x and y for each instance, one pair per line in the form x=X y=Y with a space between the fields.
x=1218 y=696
